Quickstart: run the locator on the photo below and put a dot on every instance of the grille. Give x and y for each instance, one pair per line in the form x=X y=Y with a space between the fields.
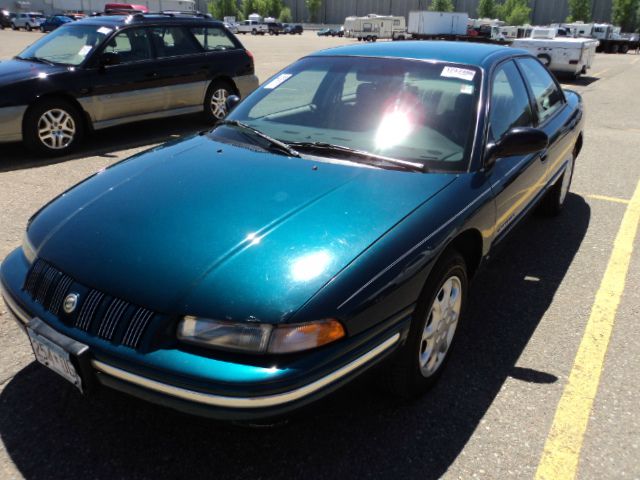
x=110 y=318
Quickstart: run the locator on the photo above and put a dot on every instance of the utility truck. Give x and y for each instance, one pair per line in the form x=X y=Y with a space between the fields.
x=375 y=27
x=431 y=25
x=610 y=38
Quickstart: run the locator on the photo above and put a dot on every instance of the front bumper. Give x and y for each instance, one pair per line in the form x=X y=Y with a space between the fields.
x=260 y=399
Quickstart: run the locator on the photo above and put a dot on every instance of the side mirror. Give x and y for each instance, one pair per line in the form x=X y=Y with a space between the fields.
x=232 y=101
x=517 y=141
x=108 y=59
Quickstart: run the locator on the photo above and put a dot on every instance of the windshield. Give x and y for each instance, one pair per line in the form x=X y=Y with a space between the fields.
x=67 y=45
x=416 y=111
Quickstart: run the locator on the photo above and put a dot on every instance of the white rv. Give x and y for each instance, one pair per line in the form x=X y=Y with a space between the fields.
x=375 y=27
x=560 y=54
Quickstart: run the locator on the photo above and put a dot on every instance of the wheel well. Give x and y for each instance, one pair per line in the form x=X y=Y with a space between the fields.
x=226 y=79
x=61 y=96
x=469 y=245
x=578 y=147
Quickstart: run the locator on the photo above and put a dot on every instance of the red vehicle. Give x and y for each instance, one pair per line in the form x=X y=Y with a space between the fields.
x=118 y=8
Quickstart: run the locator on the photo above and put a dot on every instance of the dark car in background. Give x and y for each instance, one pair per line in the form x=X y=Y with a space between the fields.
x=5 y=19
x=110 y=70
x=292 y=29
x=51 y=23
x=275 y=28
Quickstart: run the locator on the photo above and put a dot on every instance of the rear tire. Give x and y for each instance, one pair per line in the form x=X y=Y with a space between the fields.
x=436 y=320
x=13 y=26
x=27 y=27
x=553 y=202
x=215 y=101
x=53 y=127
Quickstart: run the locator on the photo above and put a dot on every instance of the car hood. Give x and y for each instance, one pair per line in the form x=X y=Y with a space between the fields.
x=12 y=71
x=205 y=228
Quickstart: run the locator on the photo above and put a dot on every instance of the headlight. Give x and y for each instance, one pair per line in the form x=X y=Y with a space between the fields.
x=27 y=248
x=259 y=337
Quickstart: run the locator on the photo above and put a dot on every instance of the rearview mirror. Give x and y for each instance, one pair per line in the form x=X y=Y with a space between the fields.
x=232 y=101
x=109 y=58
x=517 y=141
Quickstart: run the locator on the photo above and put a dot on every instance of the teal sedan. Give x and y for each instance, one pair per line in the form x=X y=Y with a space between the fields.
x=333 y=221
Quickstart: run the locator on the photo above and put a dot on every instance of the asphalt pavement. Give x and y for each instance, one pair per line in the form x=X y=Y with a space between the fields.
x=489 y=417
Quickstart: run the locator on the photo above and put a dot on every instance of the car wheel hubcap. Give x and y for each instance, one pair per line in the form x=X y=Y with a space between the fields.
x=566 y=182
x=56 y=129
x=219 y=103
x=440 y=327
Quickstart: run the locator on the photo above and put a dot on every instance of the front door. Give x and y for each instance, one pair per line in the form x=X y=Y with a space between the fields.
x=515 y=180
x=128 y=88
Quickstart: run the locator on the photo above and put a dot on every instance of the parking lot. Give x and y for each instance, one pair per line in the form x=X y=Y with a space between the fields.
x=494 y=414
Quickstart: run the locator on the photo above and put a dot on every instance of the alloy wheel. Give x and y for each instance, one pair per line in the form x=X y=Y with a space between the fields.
x=219 y=103
x=56 y=129
x=440 y=326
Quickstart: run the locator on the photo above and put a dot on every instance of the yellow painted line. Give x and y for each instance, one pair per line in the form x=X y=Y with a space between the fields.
x=609 y=199
x=600 y=72
x=635 y=61
x=562 y=449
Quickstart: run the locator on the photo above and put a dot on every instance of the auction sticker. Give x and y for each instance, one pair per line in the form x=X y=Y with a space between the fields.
x=84 y=50
x=276 y=82
x=104 y=30
x=455 y=72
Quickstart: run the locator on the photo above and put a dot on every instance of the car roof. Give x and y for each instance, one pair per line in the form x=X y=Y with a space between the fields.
x=141 y=19
x=479 y=54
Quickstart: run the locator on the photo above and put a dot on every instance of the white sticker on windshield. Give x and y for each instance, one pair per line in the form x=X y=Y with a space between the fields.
x=276 y=82
x=104 y=30
x=455 y=72
x=465 y=88
x=84 y=50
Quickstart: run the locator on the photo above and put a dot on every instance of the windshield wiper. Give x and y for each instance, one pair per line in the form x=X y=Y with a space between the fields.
x=275 y=145
x=373 y=158
x=36 y=59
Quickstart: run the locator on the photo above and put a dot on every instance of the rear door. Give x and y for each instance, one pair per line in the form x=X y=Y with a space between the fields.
x=181 y=66
x=551 y=115
x=515 y=180
x=128 y=88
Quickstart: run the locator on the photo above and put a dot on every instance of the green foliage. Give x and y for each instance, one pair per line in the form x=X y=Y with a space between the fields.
x=248 y=7
x=514 y=12
x=274 y=7
x=487 y=9
x=579 y=10
x=441 y=6
x=285 y=15
x=314 y=9
x=223 y=8
x=625 y=13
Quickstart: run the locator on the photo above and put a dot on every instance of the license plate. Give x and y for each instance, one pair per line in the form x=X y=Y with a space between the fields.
x=54 y=357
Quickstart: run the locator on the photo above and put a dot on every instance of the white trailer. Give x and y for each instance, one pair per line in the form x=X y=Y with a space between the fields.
x=375 y=27
x=561 y=54
x=425 y=24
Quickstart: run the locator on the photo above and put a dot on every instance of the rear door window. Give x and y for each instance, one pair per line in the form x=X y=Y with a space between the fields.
x=173 y=42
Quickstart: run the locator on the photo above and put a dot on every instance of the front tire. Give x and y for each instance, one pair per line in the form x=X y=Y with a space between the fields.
x=53 y=127
x=436 y=320
x=28 y=28
x=215 y=101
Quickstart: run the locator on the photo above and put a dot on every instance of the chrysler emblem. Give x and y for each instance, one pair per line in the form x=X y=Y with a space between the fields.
x=70 y=303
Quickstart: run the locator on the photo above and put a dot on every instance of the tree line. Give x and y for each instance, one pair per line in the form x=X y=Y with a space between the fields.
x=625 y=13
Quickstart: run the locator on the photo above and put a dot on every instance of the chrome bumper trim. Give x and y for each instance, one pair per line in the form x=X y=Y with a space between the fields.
x=245 y=402
x=14 y=308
